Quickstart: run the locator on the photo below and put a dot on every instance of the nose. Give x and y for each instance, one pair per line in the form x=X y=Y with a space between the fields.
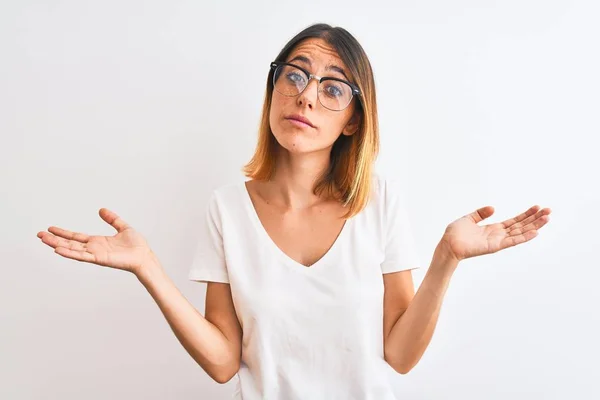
x=308 y=95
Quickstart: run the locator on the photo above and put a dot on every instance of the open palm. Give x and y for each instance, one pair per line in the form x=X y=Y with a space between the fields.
x=466 y=239
x=127 y=250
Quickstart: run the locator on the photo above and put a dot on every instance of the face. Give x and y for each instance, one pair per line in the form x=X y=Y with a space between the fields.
x=327 y=125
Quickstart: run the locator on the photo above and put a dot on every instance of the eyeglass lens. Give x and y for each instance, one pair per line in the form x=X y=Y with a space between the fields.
x=291 y=81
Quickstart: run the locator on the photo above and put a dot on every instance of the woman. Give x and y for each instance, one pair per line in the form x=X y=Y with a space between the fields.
x=308 y=264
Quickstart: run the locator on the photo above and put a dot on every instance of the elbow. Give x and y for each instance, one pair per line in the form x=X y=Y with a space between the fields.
x=224 y=374
x=403 y=370
x=222 y=378
x=399 y=366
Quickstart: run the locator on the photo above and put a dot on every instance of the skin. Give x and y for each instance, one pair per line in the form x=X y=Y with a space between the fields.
x=304 y=226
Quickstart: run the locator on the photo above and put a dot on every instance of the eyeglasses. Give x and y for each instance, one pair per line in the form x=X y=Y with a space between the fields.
x=333 y=93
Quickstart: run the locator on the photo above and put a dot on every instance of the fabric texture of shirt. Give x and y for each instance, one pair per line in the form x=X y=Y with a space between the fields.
x=308 y=332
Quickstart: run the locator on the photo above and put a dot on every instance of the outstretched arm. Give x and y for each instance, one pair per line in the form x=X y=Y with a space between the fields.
x=412 y=321
x=409 y=321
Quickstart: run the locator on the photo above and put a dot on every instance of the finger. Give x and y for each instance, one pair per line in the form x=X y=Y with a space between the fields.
x=509 y=222
x=80 y=237
x=113 y=219
x=55 y=241
x=510 y=241
x=530 y=219
x=481 y=213
x=533 y=225
x=75 y=255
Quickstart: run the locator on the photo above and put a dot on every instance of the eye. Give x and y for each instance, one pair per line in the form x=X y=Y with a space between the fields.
x=295 y=77
x=333 y=90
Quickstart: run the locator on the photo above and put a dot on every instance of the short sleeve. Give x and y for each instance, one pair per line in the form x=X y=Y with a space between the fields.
x=400 y=248
x=209 y=264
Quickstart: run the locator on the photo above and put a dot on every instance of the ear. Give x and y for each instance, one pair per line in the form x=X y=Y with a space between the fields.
x=352 y=125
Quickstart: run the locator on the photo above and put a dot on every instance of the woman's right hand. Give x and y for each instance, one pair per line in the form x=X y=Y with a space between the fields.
x=127 y=250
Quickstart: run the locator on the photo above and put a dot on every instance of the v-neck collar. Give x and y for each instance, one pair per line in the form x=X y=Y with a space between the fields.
x=266 y=238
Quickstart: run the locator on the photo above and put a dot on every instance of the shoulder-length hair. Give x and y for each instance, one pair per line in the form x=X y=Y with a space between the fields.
x=349 y=177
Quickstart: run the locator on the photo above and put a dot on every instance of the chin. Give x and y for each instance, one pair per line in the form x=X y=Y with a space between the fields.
x=294 y=144
x=298 y=141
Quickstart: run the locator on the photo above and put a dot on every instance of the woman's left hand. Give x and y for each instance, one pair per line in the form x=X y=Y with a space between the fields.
x=465 y=239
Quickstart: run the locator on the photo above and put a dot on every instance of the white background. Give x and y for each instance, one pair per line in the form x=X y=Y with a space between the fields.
x=145 y=107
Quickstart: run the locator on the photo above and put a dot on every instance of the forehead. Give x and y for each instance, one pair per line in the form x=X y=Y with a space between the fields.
x=319 y=52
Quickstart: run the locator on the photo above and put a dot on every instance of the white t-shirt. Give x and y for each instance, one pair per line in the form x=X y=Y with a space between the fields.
x=308 y=332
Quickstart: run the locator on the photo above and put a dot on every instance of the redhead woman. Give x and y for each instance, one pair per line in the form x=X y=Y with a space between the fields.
x=307 y=262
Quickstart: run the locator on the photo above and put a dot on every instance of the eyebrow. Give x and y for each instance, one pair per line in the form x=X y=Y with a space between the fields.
x=329 y=67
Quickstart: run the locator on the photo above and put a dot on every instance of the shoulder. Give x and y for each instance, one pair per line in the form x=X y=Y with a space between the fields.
x=226 y=192
x=226 y=198
x=386 y=188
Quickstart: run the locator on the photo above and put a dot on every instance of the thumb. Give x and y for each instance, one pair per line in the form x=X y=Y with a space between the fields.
x=113 y=219
x=481 y=213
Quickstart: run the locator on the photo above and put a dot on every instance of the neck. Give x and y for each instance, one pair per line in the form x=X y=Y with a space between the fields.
x=295 y=177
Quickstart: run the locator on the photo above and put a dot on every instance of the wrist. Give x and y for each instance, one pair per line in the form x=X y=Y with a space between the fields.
x=444 y=257
x=148 y=269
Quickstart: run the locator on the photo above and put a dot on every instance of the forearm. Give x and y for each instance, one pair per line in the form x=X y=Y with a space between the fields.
x=412 y=333
x=205 y=343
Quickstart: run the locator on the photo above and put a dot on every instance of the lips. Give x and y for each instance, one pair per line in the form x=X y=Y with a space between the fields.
x=300 y=118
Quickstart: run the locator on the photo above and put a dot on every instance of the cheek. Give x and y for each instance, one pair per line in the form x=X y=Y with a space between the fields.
x=330 y=126
x=275 y=111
